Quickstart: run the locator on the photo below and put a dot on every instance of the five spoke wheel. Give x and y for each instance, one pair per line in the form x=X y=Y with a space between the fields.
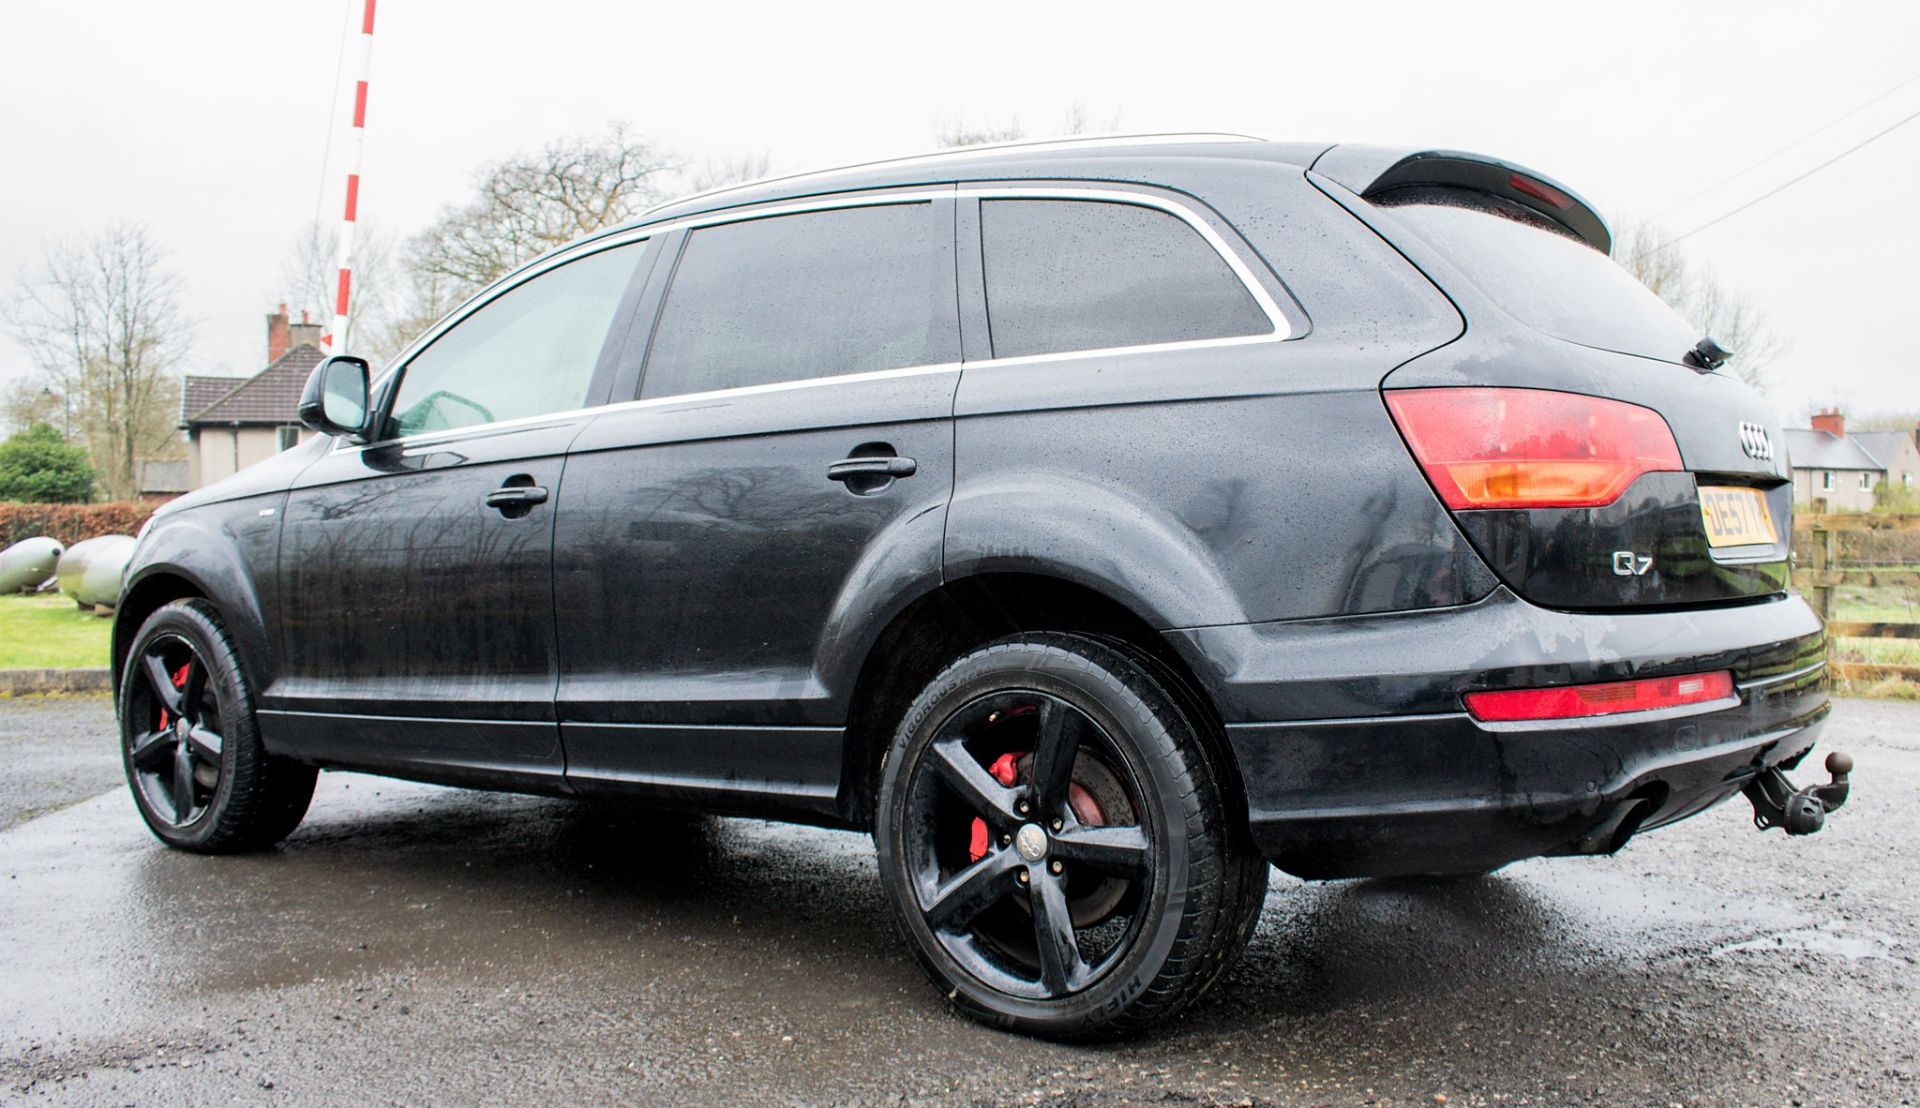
x=1053 y=840
x=175 y=742
x=1028 y=857
x=200 y=775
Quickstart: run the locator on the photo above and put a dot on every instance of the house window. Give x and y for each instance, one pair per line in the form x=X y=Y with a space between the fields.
x=1826 y=480
x=289 y=437
x=1866 y=482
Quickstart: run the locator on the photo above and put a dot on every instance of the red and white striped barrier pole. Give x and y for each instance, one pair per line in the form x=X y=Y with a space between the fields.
x=356 y=142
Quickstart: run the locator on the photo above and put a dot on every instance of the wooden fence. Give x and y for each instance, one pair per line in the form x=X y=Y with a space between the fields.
x=1818 y=572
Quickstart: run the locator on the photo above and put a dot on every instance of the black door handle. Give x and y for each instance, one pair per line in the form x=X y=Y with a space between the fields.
x=527 y=495
x=517 y=497
x=855 y=468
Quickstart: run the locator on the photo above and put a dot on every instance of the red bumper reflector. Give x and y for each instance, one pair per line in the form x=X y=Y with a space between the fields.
x=1605 y=699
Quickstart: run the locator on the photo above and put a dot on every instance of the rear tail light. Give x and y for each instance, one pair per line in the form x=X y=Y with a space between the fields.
x=1530 y=448
x=1580 y=701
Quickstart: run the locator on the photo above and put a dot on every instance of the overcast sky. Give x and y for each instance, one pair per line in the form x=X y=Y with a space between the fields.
x=208 y=120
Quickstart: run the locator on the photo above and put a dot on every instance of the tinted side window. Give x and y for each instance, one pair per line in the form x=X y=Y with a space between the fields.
x=1085 y=275
x=529 y=351
x=816 y=294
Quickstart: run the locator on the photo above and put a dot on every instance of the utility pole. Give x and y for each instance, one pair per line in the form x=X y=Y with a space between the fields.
x=356 y=143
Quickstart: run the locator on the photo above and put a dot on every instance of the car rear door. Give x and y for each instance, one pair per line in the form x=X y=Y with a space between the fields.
x=416 y=571
x=787 y=465
x=1566 y=355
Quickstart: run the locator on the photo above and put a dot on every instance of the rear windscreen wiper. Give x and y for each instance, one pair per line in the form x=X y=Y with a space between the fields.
x=1708 y=355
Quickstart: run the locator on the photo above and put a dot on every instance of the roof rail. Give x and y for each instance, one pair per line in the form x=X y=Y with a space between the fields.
x=1034 y=146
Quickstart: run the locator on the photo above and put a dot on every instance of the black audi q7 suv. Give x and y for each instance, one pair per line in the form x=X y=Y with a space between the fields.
x=1095 y=523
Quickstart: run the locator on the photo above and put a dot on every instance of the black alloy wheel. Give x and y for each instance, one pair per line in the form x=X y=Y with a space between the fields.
x=1001 y=865
x=193 y=757
x=1053 y=843
x=176 y=750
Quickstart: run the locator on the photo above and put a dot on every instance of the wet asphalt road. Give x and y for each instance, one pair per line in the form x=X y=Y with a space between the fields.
x=421 y=945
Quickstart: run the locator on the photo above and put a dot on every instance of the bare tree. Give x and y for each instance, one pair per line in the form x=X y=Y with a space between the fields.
x=310 y=277
x=1077 y=119
x=28 y=401
x=531 y=203
x=1734 y=320
x=1895 y=420
x=102 y=321
x=952 y=131
x=429 y=297
x=526 y=205
x=719 y=172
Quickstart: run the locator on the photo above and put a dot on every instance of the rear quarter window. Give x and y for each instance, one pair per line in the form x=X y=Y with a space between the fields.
x=1541 y=274
x=1065 y=275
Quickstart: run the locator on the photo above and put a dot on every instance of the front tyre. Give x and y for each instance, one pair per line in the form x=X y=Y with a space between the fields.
x=199 y=774
x=1053 y=842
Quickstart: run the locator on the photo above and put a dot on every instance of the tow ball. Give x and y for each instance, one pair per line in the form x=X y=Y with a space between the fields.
x=1776 y=803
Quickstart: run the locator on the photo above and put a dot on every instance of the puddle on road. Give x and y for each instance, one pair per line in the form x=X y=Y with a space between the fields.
x=1831 y=937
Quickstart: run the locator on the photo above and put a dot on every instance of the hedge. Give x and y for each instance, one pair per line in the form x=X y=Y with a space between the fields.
x=69 y=522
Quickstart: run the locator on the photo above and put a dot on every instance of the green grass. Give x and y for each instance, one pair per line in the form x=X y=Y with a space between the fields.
x=49 y=632
x=1885 y=652
x=1880 y=604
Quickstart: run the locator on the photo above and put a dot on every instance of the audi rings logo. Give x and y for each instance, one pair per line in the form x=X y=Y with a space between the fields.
x=1756 y=442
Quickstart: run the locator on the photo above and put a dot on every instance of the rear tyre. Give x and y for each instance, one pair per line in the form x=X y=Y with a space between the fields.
x=1054 y=845
x=199 y=774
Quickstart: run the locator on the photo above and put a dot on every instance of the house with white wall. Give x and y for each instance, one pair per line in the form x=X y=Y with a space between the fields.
x=234 y=422
x=1842 y=469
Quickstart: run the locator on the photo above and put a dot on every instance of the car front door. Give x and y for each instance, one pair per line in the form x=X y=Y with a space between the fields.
x=788 y=463
x=416 y=570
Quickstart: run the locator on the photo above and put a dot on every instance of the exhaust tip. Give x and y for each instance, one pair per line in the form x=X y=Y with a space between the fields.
x=1620 y=824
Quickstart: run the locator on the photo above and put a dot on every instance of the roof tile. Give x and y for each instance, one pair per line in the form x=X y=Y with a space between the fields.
x=272 y=396
x=198 y=392
x=1884 y=447
x=1819 y=450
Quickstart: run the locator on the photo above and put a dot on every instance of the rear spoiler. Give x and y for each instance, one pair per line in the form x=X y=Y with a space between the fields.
x=1373 y=172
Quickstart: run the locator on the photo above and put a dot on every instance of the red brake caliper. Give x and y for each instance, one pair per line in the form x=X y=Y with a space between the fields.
x=1004 y=770
x=179 y=682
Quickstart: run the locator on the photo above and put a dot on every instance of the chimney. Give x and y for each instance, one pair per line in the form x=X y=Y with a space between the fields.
x=304 y=333
x=1832 y=422
x=277 y=343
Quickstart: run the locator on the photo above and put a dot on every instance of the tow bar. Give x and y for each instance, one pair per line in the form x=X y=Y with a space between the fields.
x=1776 y=803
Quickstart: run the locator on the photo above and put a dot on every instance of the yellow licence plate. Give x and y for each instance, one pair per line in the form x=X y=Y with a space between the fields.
x=1735 y=516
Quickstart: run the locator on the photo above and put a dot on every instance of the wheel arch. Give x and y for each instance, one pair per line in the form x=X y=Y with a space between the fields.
x=153 y=591
x=214 y=574
x=959 y=615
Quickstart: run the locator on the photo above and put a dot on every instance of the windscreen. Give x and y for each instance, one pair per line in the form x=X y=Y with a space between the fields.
x=1541 y=274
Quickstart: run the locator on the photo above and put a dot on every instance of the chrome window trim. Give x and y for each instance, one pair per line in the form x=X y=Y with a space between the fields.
x=1282 y=328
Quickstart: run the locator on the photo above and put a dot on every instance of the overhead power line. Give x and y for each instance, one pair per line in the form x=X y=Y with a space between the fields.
x=333 y=121
x=1789 y=183
x=1817 y=131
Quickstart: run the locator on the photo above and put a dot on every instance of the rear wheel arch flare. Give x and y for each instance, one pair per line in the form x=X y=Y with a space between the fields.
x=960 y=615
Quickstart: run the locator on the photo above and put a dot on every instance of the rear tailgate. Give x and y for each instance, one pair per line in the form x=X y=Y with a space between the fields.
x=1549 y=312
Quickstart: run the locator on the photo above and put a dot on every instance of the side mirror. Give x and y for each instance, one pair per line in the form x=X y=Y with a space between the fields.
x=335 y=399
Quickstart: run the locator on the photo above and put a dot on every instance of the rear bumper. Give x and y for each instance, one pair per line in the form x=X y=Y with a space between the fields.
x=1386 y=774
